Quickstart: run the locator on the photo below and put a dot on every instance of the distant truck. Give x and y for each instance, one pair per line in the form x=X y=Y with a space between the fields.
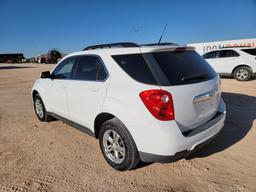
x=53 y=56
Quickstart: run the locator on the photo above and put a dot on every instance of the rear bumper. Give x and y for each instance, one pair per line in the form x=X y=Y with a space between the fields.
x=167 y=143
x=147 y=157
x=213 y=121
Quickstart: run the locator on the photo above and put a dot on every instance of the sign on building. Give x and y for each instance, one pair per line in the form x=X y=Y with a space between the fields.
x=202 y=48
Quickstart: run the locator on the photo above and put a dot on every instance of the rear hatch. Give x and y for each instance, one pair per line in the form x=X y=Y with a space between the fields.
x=191 y=81
x=193 y=84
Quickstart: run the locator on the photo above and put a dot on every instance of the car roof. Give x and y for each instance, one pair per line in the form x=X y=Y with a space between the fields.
x=231 y=48
x=131 y=50
x=237 y=48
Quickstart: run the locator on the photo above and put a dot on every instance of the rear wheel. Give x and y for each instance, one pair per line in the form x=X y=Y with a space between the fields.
x=40 y=109
x=243 y=73
x=117 y=145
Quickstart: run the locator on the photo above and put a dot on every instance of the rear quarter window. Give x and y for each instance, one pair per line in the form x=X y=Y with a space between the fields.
x=136 y=67
x=250 y=51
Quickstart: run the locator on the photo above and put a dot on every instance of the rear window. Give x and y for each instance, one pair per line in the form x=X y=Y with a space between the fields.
x=166 y=68
x=135 y=66
x=184 y=67
x=250 y=51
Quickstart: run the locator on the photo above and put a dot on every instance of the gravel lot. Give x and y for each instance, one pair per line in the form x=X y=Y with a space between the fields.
x=36 y=156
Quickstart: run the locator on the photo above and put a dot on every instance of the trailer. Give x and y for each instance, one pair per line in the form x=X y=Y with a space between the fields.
x=11 y=57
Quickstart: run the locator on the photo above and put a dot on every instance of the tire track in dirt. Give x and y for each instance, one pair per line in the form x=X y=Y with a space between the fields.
x=10 y=188
x=49 y=180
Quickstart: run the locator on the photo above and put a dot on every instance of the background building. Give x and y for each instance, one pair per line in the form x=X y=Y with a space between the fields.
x=202 y=48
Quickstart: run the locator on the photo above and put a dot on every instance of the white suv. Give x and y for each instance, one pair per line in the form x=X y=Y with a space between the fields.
x=238 y=62
x=153 y=103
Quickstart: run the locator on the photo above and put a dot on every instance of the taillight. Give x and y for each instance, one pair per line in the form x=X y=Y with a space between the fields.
x=159 y=103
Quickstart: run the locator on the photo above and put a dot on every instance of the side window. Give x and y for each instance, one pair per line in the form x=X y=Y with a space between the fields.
x=250 y=51
x=211 y=55
x=90 y=68
x=228 y=53
x=136 y=67
x=65 y=69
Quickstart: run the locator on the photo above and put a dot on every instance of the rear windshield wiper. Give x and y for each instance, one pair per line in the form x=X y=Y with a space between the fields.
x=194 y=77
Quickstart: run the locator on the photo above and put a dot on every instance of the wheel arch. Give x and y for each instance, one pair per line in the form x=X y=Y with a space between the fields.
x=99 y=120
x=103 y=117
x=38 y=90
x=241 y=65
x=34 y=93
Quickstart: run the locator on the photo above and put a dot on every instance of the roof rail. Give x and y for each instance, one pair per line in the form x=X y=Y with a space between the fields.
x=239 y=46
x=111 y=45
x=157 y=44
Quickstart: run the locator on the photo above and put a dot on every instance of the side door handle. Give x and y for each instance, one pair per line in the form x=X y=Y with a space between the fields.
x=63 y=87
x=94 y=89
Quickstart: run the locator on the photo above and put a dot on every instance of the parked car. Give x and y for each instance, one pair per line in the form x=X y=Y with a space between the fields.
x=238 y=62
x=155 y=103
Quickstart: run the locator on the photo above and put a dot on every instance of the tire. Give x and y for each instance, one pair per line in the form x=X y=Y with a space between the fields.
x=243 y=73
x=40 y=110
x=121 y=153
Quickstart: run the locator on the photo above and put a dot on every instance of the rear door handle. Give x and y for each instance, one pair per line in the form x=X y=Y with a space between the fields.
x=63 y=87
x=94 y=89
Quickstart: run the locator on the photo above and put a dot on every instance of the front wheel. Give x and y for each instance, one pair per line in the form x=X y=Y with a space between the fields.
x=243 y=74
x=40 y=109
x=117 y=145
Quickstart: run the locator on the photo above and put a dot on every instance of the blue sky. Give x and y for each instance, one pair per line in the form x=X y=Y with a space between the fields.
x=35 y=26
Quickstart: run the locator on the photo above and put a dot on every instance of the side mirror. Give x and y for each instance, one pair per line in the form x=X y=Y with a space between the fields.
x=45 y=75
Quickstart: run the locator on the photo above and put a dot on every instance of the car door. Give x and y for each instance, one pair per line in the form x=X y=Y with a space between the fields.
x=227 y=60
x=212 y=59
x=87 y=91
x=57 y=87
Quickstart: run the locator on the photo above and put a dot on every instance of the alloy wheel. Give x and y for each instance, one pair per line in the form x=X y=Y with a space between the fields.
x=242 y=74
x=113 y=145
x=39 y=108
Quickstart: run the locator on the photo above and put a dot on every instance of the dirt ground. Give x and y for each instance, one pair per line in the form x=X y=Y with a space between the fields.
x=36 y=156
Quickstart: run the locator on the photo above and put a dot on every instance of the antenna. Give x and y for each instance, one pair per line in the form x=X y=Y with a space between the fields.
x=162 y=34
